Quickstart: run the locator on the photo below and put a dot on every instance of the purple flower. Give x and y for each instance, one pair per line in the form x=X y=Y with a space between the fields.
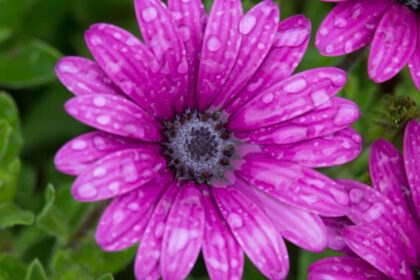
x=384 y=231
x=392 y=27
x=205 y=139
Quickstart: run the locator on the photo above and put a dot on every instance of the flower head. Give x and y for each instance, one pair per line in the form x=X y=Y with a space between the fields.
x=384 y=226
x=391 y=26
x=205 y=139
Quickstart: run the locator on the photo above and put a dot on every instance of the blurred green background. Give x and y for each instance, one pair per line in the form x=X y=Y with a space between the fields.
x=44 y=234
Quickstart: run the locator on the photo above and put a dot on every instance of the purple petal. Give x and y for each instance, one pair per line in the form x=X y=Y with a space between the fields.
x=183 y=234
x=334 y=227
x=414 y=63
x=378 y=249
x=162 y=37
x=299 y=227
x=149 y=252
x=77 y=154
x=295 y=185
x=369 y=206
x=115 y=115
x=190 y=17
x=328 y=118
x=123 y=222
x=350 y=26
x=254 y=232
x=221 y=43
x=330 y=150
x=118 y=173
x=292 y=97
x=288 y=48
x=258 y=28
x=130 y=65
x=83 y=76
x=223 y=256
x=412 y=161
x=387 y=171
x=343 y=268
x=394 y=43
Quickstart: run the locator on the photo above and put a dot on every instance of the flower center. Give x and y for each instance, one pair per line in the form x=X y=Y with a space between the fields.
x=412 y=4
x=197 y=146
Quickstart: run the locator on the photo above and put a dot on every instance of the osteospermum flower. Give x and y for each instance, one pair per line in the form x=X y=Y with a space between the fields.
x=386 y=230
x=392 y=26
x=205 y=140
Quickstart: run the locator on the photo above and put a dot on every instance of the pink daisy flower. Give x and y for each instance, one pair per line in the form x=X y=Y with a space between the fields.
x=392 y=26
x=383 y=235
x=205 y=140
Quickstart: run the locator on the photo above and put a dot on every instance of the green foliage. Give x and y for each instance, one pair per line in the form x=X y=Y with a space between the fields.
x=11 y=215
x=36 y=271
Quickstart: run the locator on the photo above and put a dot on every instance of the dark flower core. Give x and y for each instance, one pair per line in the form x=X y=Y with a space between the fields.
x=197 y=146
x=412 y=4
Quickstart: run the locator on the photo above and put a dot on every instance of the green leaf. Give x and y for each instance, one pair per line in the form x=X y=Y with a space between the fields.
x=11 y=215
x=51 y=219
x=12 y=13
x=31 y=64
x=8 y=180
x=11 y=268
x=106 y=277
x=64 y=268
x=36 y=271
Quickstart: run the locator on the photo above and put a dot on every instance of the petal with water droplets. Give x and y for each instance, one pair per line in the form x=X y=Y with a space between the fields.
x=343 y=268
x=83 y=76
x=330 y=117
x=123 y=222
x=414 y=63
x=258 y=28
x=254 y=232
x=114 y=114
x=223 y=256
x=77 y=154
x=221 y=44
x=350 y=26
x=147 y=263
x=412 y=160
x=378 y=249
x=330 y=150
x=118 y=173
x=334 y=227
x=295 y=185
x=394 y=43
x=183 y=235
x=292 y=97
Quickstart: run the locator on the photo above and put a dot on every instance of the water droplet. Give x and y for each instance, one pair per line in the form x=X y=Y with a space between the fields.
x=87 y=191
x=340 y=196
x=68 y=67
x=178 y=240
x=374 y=212
x=268 y=97
x=79 y=145
x=329 y=48
x=99 y=101
x=103 y=120
x=296 y=85
x=247 y=23
x=319 y=97
x=99 y=172
x=355 y=195
x=149 y=14
x=183 y=67
x=129 y=172
x=133 y=206
x=213 y=43
x=340 y=22
x=118 y=217
x=95 y=40
x=235 y=221
x=99 y=143
x=114 y=187
x=345 y=115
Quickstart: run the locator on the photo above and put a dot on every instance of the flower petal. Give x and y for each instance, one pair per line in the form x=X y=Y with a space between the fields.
x=334 y=227
x=387 y=171
x=221 y=44
x=223 y=256
x=258 y=28
x=123 y=222
x=183 y=234
x=394 y=43
x=330 y=150
x=414 y=63
x=148 y=254
x=378 y=249
x=328 y=118
x=368 y=206
x=299 y=227
x=162 y=36
x=77 y=154
x=83 y=76
x=292 y=97
x=115 y=115
x=130 y=65
x=295 y=185
x=190 y=17
x=412 y=161
x=254 y=232
x=350 y=26
x=289 y=46
x=118 y=173
x=343 y=268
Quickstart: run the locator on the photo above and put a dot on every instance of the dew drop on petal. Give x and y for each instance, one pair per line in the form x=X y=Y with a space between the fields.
x=247 y=23
x=235 y=221
x=99 y=172
x=103 y=119
x=99 y=101
x=114 y=187
x=87 y=191
x=79 y=145
x=319 y=97
x=374 y=212
x=129 y=171
x=296 y=85
x=149 y=14
x=213 y=43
